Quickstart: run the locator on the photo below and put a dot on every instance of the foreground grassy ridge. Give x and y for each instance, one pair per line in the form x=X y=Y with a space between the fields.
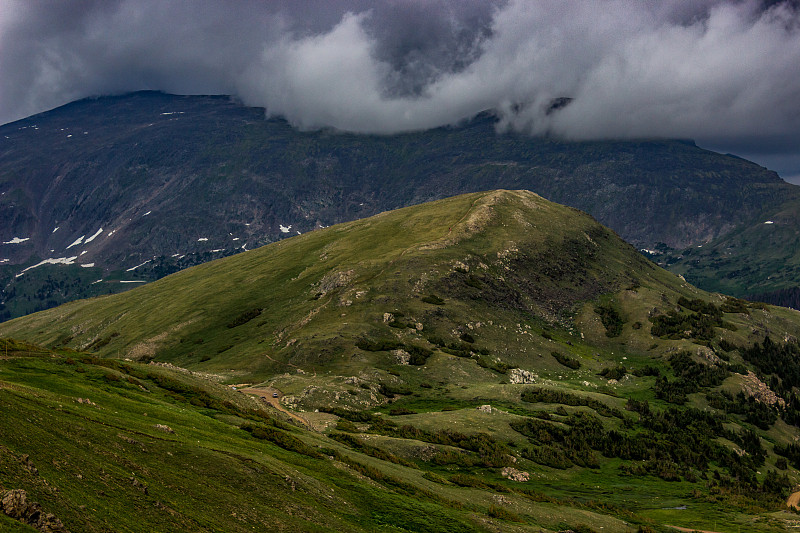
x=490 y=356
x=82 y=437
x=133 y=447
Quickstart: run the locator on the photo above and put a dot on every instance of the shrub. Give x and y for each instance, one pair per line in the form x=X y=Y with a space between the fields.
x=432 y=299
x=245 y=317
x=345 y=425
x=503 y=514
x=616 y=372
x=734 y=305
x=647 y=370
x=611 y=319
x=378 y=345
x=567 y=361
x=419 y=355
x=390 y=391
x=430 y=476
x=397 y=411
x=282 y=439
x=474 y=282
x=464 y=480
x=699 y=324
x=466 y=337
x=537 y=395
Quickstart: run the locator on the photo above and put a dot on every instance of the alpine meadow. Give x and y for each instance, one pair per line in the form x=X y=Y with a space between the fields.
x=399 y=266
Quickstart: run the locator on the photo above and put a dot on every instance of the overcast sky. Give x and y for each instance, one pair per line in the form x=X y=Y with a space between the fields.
x=725 y=73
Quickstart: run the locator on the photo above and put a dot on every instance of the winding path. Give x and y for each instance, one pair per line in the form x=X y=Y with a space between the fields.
x=266 y=396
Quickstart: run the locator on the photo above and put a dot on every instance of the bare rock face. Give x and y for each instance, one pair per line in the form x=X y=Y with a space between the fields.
x=518 y=375
x=513 y=474
x=15 y=504
x=759 y=390
x=402 y=357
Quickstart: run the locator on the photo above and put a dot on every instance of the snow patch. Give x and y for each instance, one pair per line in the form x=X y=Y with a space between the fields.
x=132 y=281
x=147 y=213
x=83 y=252
x=56 y=229
x=137 y=266
x=17 y=240
x=87 y=265
x=174 y=113
x=651 y=252
x=98 y=281
x=236 y=238
x=285 y=229
x=77 y=242
x=769 y=222
x=93 y=237
x=202 y=239
x=52 y=261
x=218 y=250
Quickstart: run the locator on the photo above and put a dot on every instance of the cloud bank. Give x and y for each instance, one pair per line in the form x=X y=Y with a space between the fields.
x=726 y=73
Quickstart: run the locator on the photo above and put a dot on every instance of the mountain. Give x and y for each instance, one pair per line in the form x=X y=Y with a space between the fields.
x=131 y=188
x=491 y=361
x=752 y=260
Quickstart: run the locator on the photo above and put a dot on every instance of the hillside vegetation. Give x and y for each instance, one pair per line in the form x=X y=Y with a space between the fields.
x=492 y=361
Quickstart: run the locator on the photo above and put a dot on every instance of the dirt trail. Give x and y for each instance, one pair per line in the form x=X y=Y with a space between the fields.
x=690 y=530
x=794 y=500
x=266 y=394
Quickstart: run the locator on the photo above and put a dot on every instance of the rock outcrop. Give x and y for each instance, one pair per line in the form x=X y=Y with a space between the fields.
x=15 y=504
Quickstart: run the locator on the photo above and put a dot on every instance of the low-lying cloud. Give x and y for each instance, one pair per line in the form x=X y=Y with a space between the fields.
x=726 y=73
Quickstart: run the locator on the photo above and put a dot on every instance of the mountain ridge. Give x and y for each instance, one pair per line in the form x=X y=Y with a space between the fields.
x=172 y=181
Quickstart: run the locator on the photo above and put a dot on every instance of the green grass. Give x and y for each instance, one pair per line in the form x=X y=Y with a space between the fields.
x=324 y=318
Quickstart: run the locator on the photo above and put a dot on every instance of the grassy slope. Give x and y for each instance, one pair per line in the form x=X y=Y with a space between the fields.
x=520 y=275
x=361 y=270
x=94 y=461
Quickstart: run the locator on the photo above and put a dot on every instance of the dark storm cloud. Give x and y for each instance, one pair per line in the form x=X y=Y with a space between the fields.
x=724 y=72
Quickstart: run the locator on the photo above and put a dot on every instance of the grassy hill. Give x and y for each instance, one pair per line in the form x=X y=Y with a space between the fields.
x=145 y=184
x=492 y=361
